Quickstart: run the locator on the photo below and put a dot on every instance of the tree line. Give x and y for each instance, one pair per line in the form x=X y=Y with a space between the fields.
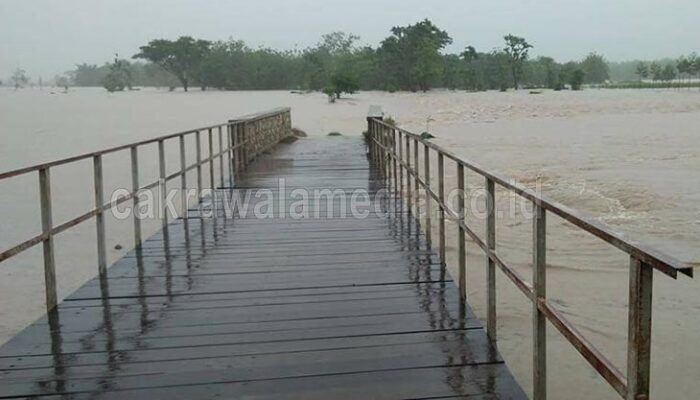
x=410 y=58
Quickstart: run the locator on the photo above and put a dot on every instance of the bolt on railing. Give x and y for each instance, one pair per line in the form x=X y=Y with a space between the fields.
x=389 y=143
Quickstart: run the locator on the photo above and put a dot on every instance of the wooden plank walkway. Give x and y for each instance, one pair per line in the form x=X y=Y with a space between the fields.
x=280 y=308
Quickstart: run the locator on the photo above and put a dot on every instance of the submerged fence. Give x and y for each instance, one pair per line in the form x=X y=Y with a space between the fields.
x=390 y=150
x=245 y=138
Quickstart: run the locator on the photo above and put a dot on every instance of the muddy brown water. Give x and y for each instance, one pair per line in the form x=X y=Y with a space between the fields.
x=628 y=158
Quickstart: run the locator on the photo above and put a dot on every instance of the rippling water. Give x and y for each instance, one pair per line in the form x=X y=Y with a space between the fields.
x=628 y=158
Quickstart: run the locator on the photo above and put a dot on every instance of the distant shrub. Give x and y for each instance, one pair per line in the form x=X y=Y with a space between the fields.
x=335 y=134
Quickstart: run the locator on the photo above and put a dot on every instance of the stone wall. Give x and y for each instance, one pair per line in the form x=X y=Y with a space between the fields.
x=261 y=132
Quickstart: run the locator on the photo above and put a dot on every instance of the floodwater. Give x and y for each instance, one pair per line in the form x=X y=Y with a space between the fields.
x=630 y=158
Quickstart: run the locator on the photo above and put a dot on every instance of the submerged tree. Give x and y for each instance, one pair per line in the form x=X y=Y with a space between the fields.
x=411 y=55
x=642 y=71
x=19 y=78
x=119 y=76
x=182 y=57
x=517 y=49
x=596 y=68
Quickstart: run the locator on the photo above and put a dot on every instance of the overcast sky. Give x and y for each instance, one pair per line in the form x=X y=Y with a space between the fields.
x=46 y=37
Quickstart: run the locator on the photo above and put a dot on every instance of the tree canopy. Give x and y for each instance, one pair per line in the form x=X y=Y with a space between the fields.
x=412 y=57
x=182 y=57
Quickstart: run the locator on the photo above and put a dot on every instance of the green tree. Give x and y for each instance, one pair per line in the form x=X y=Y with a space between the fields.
x=119 y=76
x=596 y=68
x=655 y=71
x=182 y=57
x=19 y=78
x=517 y=49
x=344 y=83
x=576 y=79
x=411 y=55
x=642 y=71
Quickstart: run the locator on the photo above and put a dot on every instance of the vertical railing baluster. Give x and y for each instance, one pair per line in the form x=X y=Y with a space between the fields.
x=416 y=181
x=234 y=153
x=394 y=164
x=428 y=222
x=639 y=329
x=199 y=166
x=221 y=158
x=490 y=265
x=183 y=178
x=461 y=236
x=539 y=283
x=99 y=217
x=408 y=176
x=48 y=246
x=401 y=167
x=163 y=184
x=441 y=196
x=212 y=178
x=229 y=154
x=134 y=190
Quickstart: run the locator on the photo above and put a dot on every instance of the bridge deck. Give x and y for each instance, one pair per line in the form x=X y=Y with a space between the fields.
x=310 y=308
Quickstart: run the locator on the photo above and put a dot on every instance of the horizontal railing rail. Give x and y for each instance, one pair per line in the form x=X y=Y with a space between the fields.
x=390 y=150
x=246 y=137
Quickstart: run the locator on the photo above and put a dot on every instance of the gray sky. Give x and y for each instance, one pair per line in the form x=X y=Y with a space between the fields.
x=46 y=37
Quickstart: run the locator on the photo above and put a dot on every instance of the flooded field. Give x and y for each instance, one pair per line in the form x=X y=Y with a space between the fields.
x=630 y=158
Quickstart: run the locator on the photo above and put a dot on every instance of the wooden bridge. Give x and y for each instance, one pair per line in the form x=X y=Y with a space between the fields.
x=321 y=283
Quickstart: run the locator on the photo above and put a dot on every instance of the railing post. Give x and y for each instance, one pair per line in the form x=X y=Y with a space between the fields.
x=408 y=175
x=212 y=178
x=441 y=196
x=163 y=183
x=401 y=167
x=234 y=153
x=134 y=189
x=416 y=177
x=46 y=227
x=99 y=217
x=639 y=336
x=393 y=159
x=221 y=158
x=490 y=265
x=461 y=236
x=229 y=152
x=539 y=283
x=183 y=178
x=199 y=167
x=426 y=168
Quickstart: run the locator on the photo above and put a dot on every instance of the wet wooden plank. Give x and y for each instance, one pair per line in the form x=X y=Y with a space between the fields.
x=313 y=308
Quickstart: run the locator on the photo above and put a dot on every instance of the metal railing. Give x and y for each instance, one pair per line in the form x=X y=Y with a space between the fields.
x=390 y=149
x=246 y=137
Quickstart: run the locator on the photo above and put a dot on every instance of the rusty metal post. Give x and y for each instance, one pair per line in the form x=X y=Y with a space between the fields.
x=490 y=265
x=428 y=222
x=461 y=236
x=441 y=196
x=639 y=336
x=48 y=247
x=99 y=216
x=135 y=189
x=539 y=283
